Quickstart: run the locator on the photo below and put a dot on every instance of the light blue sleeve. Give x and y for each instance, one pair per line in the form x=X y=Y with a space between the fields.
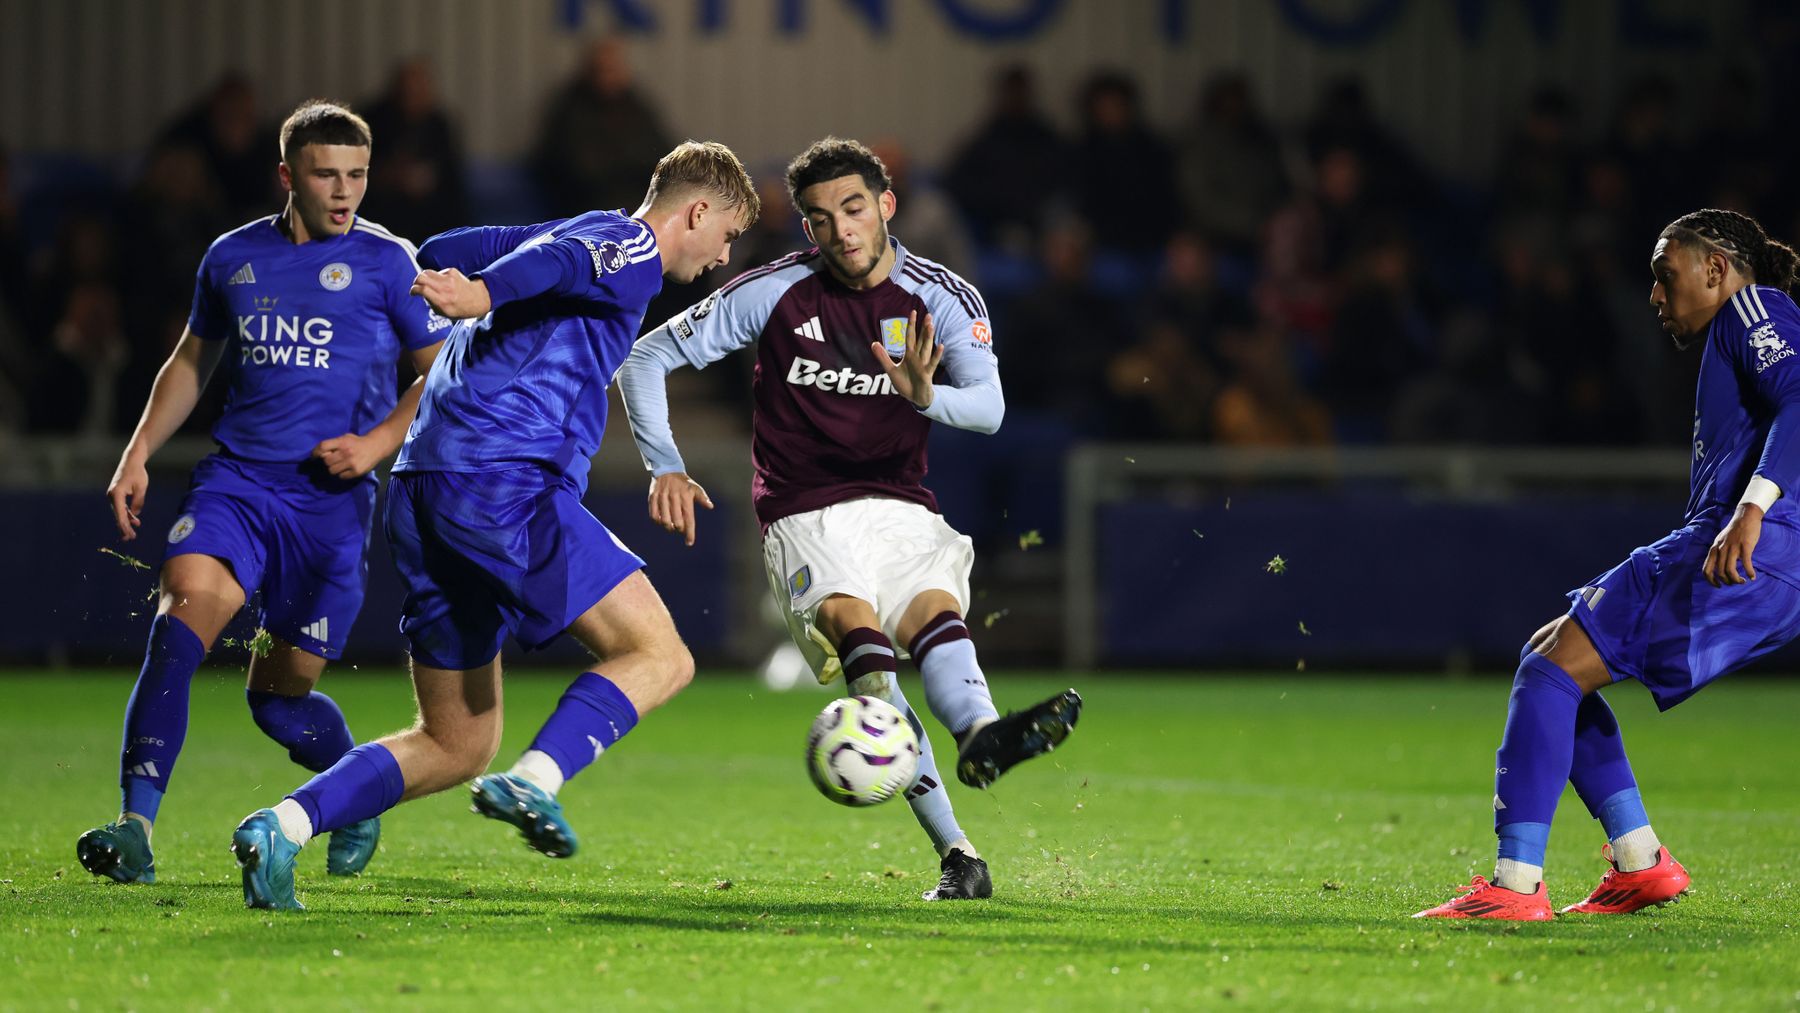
x=971 y=399
x=643 y=389
x=725 y=321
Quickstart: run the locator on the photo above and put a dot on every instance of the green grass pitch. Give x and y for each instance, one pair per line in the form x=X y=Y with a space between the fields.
x=1198 y=842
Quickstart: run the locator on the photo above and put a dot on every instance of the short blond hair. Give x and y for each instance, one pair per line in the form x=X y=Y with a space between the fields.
x=709 y=167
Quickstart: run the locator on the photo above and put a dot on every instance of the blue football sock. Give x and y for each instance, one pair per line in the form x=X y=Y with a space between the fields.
x=1535 y=755
x=311 y=726
x=591 y=716
x=1601 y=773
x=156 y=716
x=366 y=782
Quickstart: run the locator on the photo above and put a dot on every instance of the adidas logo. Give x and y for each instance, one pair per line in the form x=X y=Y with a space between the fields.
x=811 y=329
x=316 y=629
x=145 y=769
x=244 y=276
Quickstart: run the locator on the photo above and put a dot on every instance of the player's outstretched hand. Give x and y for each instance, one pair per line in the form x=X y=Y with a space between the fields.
x=1734 y=545
x=130 y=484
x=911 y=376
x=452 y=294
x=672 y=499
x=350 y=455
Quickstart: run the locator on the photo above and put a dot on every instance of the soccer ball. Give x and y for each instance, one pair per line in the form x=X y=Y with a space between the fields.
x=861 y=751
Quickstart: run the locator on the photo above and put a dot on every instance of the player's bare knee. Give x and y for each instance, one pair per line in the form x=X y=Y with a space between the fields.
x=677 y=666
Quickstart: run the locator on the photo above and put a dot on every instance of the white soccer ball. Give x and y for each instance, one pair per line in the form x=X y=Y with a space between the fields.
x=861 y=751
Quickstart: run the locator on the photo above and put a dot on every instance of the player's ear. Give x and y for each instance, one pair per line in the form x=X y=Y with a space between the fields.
x=697 y=213
x=806 y=227
x=888 y=204
x=286 y=175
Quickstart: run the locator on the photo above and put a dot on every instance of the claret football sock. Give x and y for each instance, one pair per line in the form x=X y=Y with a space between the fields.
x=156 y=716
x=1531 y=767
x=311 y=726
x=592 y=715
x=955 y=688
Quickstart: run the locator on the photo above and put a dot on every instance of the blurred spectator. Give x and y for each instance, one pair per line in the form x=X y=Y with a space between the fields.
x=1229 y=167
x=777 y=231
x=1642 y=135
x=599 y=138
x=16 y=357
x=1162 y=387
x=1381 y=334
x=239 y=154
x=76 y=331
x=1263 y=404
x=1307 y=245
x=1540 y=163
x=1007 y=175
x=417 y=183
x=1061 y=334
x=1566 y=343
x=76 y=390
x=1344 y=119
x=924 y=219
x=1124 y=173
x=175 y=209
x=1471 y=395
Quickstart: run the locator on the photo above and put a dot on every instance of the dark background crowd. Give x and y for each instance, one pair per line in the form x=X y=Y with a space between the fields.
x=1233 y=280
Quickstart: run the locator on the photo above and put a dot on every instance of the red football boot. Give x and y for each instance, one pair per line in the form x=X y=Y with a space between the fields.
x=1482 y=899
x=1624 y=892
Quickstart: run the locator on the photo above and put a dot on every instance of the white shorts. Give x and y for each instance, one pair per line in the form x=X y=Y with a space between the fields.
x=884 y=551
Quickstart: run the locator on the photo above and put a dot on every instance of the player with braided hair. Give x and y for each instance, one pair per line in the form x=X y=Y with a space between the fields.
x=1717 y=593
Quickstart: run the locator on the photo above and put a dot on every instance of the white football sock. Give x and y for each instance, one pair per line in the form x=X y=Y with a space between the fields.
x=536 y=766
x=1636 y=850
x=296 y=826
x=963 y=846
x=1517 y=876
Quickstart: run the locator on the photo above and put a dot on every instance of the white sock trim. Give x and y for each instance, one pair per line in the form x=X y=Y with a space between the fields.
x=1517 y=876
x=536 y=766
x=1636 y=850
x=296 y=826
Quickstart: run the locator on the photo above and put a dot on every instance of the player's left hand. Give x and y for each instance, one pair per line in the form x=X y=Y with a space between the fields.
x=1734 y=545
x=911 y=376
x=672 y=499
x=350 y=455
x=453 y=294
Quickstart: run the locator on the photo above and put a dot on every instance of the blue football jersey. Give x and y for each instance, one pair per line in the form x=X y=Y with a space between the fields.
x=312 y=331
x=1748 y=375
x=526 y=384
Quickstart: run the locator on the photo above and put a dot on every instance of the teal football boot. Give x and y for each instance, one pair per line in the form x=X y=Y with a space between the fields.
x=352 y=846
x=523 y=804
x=267 y=858
x=119 y=851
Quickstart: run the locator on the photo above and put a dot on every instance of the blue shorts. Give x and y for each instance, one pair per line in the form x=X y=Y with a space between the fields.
x=290 y=531
x=484 y=554
x=1654 y=618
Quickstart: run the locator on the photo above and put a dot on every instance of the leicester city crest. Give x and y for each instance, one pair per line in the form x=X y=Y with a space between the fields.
x=800 y=582
x=184 y=526
x=893 y=335
x=335 y=277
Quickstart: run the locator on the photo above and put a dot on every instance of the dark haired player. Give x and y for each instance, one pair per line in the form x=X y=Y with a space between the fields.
x=485 y=519
x=1717 y=593
x=857 y=555
x=308 y=309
